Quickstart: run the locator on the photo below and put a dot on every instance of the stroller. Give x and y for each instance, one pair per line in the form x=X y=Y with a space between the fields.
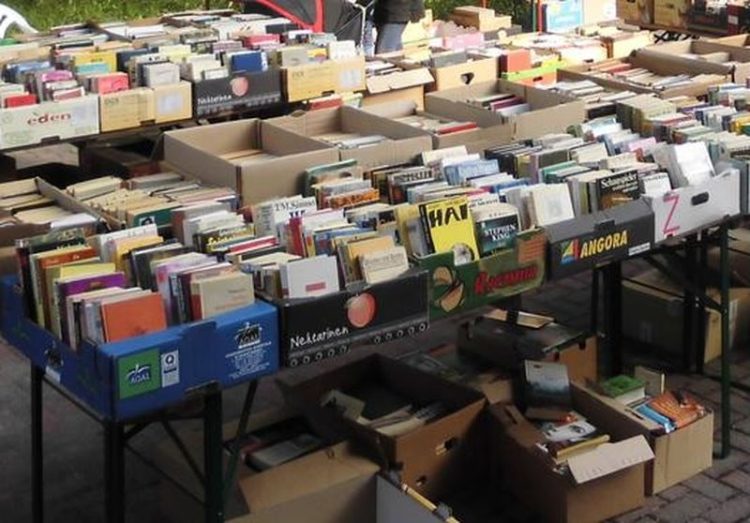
x=343 y=18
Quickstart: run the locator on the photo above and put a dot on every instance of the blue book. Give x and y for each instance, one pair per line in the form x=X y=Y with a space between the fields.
x=247 y=61
x=654 y=416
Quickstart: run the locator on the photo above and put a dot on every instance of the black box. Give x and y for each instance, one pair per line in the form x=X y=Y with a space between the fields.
x=313 y=329
x=593 y=239
x=240 y=91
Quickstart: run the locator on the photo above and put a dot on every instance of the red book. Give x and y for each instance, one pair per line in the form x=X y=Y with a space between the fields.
x=141 y=315
x=19 y=100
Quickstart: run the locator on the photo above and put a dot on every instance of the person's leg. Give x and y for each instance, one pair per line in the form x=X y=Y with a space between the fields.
x=389 y=38
x=368 y=39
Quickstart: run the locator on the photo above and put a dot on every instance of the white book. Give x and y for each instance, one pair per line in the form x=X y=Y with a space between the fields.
x=98 y=242
x=550 y=204
x=309 y=277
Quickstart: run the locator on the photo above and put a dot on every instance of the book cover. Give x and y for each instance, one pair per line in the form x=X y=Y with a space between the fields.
x=309 y=277
x=620 y=385
x=497 y=232
x=133 y=317
x=679 y=407
x=617 y=189
x=448 y=226
x=222 y=293
x=546 y=384
x=60 y=275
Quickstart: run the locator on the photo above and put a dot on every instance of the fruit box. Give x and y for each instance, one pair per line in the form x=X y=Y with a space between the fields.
x=458 y=288
x=317 y=328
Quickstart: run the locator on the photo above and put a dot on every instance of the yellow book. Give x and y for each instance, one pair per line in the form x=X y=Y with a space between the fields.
x=404 y=214
x=122 y=247
x=448 y=226
x=64 y=272
x=107 y=57
x=354 y=250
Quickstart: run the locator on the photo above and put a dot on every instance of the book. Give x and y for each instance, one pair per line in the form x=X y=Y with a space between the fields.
x=653 y=380
x=215 y=295
x=309 y=277
x=679 y=407
x=76 y=287
x=383 y=265
x=547 y=388
x=352 y=251
x=550 y=204
x=497 y=227
x=284 y=451
x=447 y=226
x=59 y=279
x=136 y=316
x=624 y=389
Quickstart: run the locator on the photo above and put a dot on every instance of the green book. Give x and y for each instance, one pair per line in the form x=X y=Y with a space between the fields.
x=621 y=385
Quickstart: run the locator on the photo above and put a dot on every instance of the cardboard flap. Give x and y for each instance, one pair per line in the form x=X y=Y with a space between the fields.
x=609 y=458
x=398 y=80
x=307 y=475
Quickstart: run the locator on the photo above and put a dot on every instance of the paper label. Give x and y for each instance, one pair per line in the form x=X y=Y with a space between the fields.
x=170 y=368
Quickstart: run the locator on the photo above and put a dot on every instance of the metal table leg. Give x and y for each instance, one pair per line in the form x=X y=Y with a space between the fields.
x=37 y=446
x=114 y=472
x=688 y=306
x=612 y=289
x=700 y=331
x=726 y=371
x=212 y=449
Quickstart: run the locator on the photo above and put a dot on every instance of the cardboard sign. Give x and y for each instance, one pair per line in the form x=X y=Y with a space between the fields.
x=609 y=458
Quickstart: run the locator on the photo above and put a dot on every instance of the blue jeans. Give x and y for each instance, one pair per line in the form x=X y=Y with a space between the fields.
x=389 y=37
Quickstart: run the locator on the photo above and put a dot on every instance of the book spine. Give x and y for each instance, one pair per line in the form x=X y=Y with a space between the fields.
x=424 y=221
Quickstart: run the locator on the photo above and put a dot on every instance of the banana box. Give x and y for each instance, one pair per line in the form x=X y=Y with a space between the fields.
x=458 y=288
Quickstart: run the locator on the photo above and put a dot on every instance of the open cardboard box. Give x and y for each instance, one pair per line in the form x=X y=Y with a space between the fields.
x=240 y=91
x=550 y=112
x=659 y=64
x=402 y=145
x=456 y=75
x=306 y=81
x=602 y=483
x=476 y=140
x=652 y=307
x=217 y=153
x=688 y=209
x=594 y=239
x=407 y=85
x=49 y=122
x=636 y=11
x=739 y=69
x=678 y=456
x=435 y=458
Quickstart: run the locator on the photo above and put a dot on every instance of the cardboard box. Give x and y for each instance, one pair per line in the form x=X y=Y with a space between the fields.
x=475 y=140
x=214 y=154
x=678 y=456
x=598 y=238
x=597 y=11
x=540 y=120
x=623 y=44
x=476 y=71
x=306 y=81
x=125 y=379
x=608 y=481
x=402 y=145
x=653 y=308
x=658 y=64
x=435 y=458
x=562 y=16
x=739 y=69
x=672 y=13
x=739 y=257
x=689 y=209
x=487 y=280
x=173 y=103
x=408 y=85
x=49 y=122
x=243 y=91
x=126 y=109
x=317 y=328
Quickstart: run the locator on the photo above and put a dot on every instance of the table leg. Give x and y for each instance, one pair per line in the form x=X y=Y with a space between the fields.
x=37 y=446
x=114 y=472
x=726 y=371
x=212 y=449
x=612 y=289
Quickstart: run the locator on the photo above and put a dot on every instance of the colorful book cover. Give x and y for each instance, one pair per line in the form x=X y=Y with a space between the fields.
x=448 y=226
x=135 y=317
x=497 y=233
x=79 y=286
x=57 y=275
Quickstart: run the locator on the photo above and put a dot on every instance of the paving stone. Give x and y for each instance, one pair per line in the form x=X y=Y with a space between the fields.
x=674 y=493
x=710 y=487
x=651 y=508
x=732 y=511
x=740 y=441
x=686 y=508
x=720 y=467
x=739 y=480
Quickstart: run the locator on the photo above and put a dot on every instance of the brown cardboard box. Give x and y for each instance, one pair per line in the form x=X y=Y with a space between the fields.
x=126 y=109
x=606 y=481
x=435 y=458
x=739 y=70
x=408 y=85
x=402 y=147
x=173 y=103
x=475 y=140
x=469 y=73
x=303 y=82
x=671 y=13
x=652 y=313
x=636 y=11
x=580 y=359
x=597 y=11
x=740 y=40
x=678 y=456
x=550 y=112
x=214 y=154
x=658 y=64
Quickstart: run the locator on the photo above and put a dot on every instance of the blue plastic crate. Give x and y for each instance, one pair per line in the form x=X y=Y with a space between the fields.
x=132 y=377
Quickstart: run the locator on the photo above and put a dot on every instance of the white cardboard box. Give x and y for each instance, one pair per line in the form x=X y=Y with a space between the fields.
x=61 y=120
x=688 y=209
